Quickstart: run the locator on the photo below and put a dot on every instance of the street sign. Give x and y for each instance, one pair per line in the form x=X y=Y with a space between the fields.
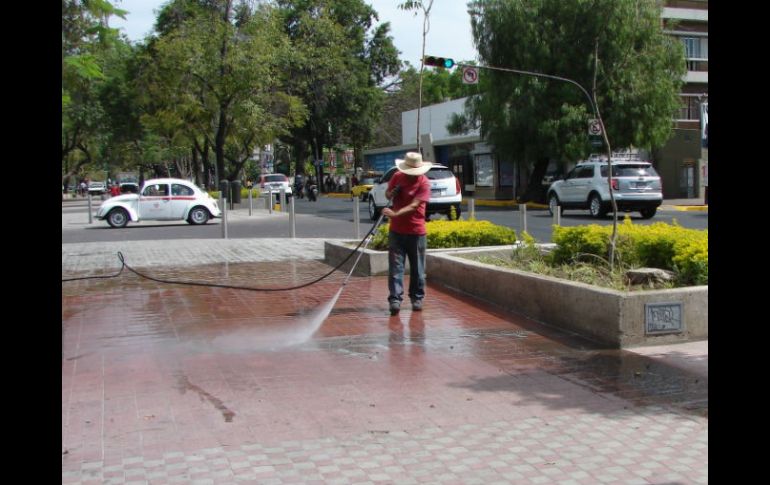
x=470 y=75
x=594 y=128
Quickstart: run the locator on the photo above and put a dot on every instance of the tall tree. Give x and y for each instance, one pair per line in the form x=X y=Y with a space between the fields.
x=86 y=39
x=218 y=81
x=533 y=120
x=336 y=68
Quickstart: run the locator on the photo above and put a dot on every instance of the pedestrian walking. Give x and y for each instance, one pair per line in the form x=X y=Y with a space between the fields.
x=409 y=189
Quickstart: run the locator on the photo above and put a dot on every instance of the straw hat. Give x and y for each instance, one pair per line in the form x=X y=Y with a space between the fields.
x=413 y=164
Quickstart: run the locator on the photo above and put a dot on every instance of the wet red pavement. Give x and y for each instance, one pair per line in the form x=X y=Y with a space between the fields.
x=172 y=384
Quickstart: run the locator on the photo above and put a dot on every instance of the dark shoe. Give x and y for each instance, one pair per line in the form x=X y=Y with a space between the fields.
x=417 y=305
x=395 y=307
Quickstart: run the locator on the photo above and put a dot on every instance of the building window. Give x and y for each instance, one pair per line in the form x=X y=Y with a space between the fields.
x=696 y=52
x=484 y=171
x=689 y=110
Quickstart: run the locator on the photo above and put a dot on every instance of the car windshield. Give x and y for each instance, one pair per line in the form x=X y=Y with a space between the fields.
x=368 y=181
x=439 y=173
x=275 y=178
x=631 y=170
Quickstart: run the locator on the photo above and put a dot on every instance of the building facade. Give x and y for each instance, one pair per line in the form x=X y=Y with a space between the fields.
x=683 y=161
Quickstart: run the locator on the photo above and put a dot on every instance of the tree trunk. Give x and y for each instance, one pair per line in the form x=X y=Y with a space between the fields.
x=219 y=143
x=535 y=191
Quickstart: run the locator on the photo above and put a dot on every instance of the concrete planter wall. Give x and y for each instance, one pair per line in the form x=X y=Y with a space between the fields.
x=612 y=317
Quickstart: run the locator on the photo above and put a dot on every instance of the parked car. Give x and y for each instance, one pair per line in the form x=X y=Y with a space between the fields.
x=363 y=188
x=274 y=182
x=635 y=184
x=97 y=188
x=445 y=192
x=129 y=188
x=166 y=199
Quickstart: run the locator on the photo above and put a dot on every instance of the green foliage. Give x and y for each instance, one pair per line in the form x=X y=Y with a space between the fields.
x=659 y=245
x=335 y=68
x=455 y=234
x=527 y=251
x=530 y=118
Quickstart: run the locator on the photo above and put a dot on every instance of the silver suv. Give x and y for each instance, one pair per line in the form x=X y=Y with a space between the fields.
x=635 y=184
x=445 y=192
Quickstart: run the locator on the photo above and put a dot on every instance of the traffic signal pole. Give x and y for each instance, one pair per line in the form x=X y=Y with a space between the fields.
x=448 y=63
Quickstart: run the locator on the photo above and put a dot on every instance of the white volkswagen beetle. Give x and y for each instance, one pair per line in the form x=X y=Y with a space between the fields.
x=166 y=199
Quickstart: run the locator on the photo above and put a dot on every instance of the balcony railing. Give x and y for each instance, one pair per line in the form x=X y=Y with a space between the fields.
x=697 y=64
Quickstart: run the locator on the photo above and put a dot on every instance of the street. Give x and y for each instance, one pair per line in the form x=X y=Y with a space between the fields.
x=329 y=217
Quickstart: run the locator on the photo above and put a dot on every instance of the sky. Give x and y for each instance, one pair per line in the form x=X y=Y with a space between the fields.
x=449 y=35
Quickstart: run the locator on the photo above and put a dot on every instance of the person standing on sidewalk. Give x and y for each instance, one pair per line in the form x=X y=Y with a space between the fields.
x=410 y=191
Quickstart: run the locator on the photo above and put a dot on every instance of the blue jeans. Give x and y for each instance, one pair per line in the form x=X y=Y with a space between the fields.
x=399 y=247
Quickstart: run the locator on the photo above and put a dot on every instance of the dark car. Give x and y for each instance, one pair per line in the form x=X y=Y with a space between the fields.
x=129 y=188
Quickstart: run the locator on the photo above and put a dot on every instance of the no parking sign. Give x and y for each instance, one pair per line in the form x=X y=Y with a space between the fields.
x=470 y=75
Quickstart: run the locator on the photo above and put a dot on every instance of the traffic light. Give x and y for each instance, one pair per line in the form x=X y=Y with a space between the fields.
x=439 y=61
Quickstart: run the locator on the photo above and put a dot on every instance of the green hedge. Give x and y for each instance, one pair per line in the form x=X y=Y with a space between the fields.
x=244 y=193
x=455 y=234
x=659 y=245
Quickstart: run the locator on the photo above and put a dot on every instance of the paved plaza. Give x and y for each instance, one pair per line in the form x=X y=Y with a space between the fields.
x=185 y=384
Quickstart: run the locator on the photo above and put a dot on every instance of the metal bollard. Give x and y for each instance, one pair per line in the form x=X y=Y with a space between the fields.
x=471 y=208
x=270 y=200
x=523 y=215
x=557 y=216
x=282 y=198
x=224 y=220
x=249 y=200
x=292 y=221
x=357 y=217
x=90 y=214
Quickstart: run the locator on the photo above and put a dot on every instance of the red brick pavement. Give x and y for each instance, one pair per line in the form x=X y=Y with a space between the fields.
x=173 y=384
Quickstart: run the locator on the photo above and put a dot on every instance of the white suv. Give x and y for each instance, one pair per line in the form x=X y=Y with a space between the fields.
x=635 y=185
x=275 y=182
x=445 y=192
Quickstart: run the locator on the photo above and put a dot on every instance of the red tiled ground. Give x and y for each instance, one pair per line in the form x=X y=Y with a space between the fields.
x=154 y=375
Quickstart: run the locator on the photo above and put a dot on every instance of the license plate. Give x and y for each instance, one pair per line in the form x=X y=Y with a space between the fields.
x=437 y=192
x=638 y=185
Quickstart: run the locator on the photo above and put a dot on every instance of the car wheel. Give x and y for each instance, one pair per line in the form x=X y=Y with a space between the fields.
x=649 y=212
x=595 y=206
x=374 y=212
x=198 y=215
x=553 y=203
x=117 y=218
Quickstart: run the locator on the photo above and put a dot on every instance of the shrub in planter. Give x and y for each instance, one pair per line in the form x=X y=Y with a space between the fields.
x=659 y=245
x=455 y=234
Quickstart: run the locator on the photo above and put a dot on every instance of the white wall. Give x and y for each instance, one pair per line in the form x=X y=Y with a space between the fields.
x=433 y=120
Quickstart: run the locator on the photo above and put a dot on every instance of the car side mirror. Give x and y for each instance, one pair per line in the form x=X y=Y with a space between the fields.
x=377 y=180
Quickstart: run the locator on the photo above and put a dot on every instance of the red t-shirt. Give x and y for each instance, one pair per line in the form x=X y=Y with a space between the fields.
x=419 y=188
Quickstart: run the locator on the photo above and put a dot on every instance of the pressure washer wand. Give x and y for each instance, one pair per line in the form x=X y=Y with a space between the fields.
x=371 y=235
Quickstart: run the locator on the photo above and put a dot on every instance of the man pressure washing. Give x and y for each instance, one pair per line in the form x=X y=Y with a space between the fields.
x=410 y=190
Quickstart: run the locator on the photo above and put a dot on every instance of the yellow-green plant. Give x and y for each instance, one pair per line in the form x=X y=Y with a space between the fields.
x=658 y=245
x=455 y=234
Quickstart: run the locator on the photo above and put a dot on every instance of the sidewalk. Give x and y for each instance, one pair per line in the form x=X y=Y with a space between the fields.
x=183 y=384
